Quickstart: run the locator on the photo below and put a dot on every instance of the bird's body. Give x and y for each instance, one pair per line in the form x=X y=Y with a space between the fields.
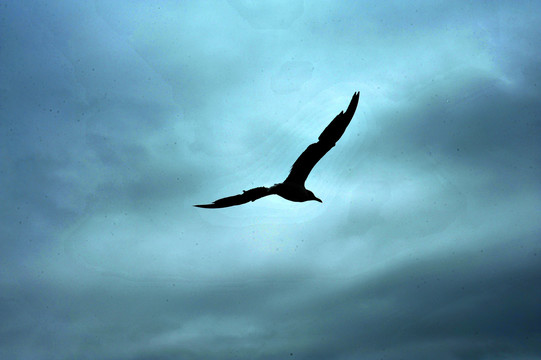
x=293 y=192
x=293 y=186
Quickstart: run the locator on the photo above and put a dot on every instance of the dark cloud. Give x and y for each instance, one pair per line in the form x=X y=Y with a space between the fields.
x=461 y=305
x=456 y=303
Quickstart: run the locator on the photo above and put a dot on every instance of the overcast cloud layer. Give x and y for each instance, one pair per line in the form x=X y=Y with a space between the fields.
x=117 y=116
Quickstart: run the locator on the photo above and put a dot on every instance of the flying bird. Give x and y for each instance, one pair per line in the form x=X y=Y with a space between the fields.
x=293 y=186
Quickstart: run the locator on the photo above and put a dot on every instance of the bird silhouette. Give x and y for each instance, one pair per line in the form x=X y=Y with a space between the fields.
x=293 y=186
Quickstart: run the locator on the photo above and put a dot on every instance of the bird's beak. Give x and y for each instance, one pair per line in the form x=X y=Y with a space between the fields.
x=316 y=199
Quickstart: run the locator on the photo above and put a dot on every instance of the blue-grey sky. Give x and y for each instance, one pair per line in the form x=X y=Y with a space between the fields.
x=117 y=116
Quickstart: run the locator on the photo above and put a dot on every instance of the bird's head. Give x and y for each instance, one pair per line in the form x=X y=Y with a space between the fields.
x=311 y=196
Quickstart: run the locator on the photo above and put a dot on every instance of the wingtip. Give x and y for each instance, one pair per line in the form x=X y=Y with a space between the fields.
x=210 y=206
x=203 y=206
x=353 y=104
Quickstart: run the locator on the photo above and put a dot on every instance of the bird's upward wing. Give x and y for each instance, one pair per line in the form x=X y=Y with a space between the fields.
x=248 y=195
x=328 y=138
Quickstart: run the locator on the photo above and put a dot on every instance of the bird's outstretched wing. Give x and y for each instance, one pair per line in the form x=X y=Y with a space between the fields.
x=328 y=138
x=247 y=195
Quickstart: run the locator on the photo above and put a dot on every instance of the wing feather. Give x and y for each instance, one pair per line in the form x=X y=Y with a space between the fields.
x=246 y=196
x=328 y=138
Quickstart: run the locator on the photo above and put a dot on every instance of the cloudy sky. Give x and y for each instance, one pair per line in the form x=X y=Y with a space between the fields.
x=117 y=116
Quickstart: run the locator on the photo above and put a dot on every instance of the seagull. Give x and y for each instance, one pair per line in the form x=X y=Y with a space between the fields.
x=292 y=188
